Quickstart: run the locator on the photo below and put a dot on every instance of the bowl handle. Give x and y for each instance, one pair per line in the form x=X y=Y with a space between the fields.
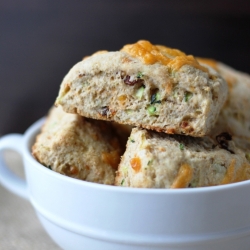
x=8 y=178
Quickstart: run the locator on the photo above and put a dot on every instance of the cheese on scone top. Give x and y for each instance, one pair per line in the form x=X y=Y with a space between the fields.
x=146 y=85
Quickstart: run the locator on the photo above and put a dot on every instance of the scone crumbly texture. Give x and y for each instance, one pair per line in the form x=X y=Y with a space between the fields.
x=234 y=117
x=158 y=160
x=145 y=85
x=81 y=148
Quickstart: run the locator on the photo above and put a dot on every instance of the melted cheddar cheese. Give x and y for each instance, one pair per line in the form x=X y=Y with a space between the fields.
x=136 y=164
x=183 y=177
x=232 y=175
x=151 y=54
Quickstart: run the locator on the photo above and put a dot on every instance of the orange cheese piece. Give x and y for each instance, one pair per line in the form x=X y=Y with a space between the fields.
x=232 y=175
x=136 y=164
x=151 y=54
x=184 y=177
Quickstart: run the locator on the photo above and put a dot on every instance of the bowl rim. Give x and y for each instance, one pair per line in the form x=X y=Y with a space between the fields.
x=33 y=130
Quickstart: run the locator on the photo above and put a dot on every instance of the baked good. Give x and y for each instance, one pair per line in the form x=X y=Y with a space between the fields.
x=81 y=148
x=149 y=86
x=158 y=160
x=234 y=117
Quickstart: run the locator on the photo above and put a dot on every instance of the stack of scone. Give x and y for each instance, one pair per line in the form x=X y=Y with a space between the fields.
x=190 y=119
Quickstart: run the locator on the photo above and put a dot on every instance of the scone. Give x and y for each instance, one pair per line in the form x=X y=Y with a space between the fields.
x=158 y=160
x=234 y=117
x=77 y=147
x=149 y=86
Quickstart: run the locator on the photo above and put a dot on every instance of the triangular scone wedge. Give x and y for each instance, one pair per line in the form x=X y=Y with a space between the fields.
x=147 y=86
x=158 y=160
x=81 y=148
x=234 y=117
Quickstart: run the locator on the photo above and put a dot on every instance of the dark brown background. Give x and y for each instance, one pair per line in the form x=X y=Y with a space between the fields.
x=41 y=40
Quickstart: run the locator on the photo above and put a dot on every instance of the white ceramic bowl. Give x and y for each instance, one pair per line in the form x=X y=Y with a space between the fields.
x=83 y=215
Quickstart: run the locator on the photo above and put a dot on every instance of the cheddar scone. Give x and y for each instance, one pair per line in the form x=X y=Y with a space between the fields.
x=145 y=85
x=234 y=117
x=81 y=148
x=158 y=160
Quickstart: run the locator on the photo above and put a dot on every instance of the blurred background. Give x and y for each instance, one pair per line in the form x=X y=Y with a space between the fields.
x=41 y=40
